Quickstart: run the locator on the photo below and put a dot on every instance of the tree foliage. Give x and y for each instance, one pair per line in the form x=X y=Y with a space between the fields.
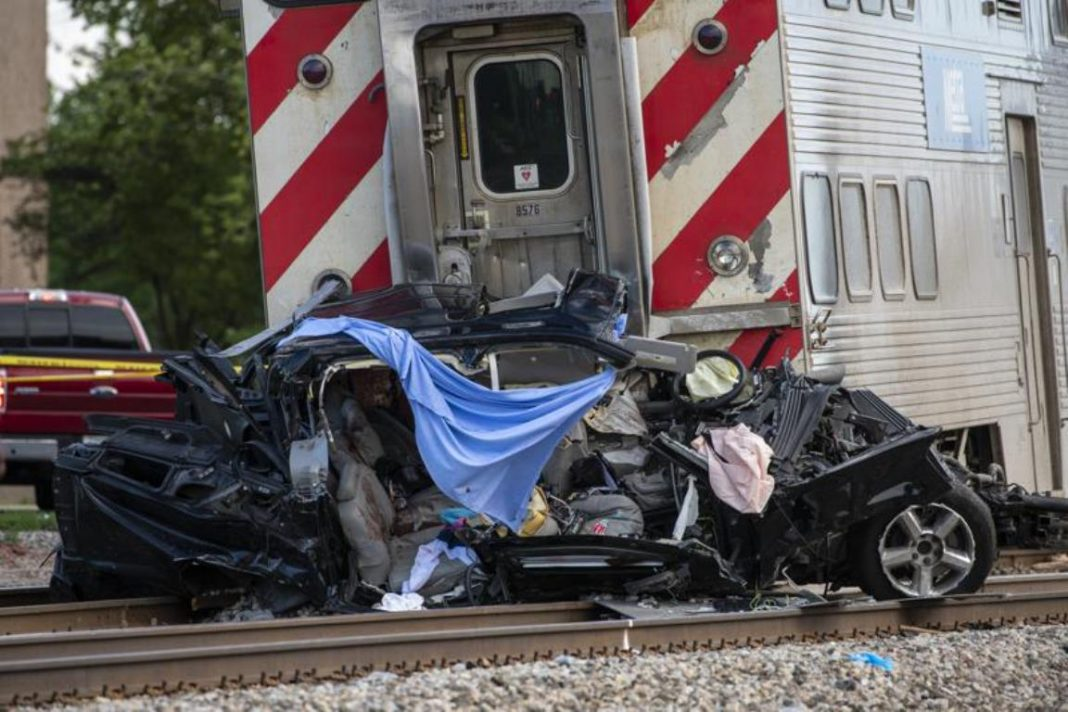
x=144 y=173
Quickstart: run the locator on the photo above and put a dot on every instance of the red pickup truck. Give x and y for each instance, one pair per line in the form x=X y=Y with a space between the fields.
x=65 y=355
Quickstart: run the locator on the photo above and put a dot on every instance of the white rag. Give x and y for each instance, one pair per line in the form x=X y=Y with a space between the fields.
x=738 y=461
x=394 y=602
x=687 y=512
x=426 y=560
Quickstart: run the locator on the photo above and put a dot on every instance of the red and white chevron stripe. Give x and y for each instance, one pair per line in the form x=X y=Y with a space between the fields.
x=317 y=153
x=717 y=155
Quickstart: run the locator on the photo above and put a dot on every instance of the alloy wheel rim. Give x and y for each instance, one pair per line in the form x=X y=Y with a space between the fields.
x=927 y=550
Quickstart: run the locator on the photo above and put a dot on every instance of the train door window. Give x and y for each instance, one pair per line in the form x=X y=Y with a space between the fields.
x=922 y=247
x=819 y=238
x=903 y=9
x=838 y=4
x=888 y=239
x=872 y=7
x=49 y=326
x=856 y=246
x=1058 y=18
x=521 y=125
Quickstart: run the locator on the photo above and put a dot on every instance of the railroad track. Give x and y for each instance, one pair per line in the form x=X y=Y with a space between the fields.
x=25 y=610
x=45 y=666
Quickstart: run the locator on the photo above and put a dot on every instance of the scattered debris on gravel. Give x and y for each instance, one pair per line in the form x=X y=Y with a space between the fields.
x=1054 y=563
x=1008 y=668
x=25 y=558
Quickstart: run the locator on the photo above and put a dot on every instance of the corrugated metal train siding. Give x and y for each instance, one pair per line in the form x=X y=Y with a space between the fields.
x=856 y=107
x=1053 y=115
x=860 y=93
x=955 y=368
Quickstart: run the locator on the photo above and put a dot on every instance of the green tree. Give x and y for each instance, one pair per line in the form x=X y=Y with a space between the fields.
x=144 y=173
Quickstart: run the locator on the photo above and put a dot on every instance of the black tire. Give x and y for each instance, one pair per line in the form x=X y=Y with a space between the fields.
x=43 y=494
x=867 y=557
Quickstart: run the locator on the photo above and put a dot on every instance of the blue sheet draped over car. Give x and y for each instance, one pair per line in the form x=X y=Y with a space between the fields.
x=484 y=448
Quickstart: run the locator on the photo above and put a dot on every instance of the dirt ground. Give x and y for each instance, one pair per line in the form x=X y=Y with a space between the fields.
x=27 y=539
x=26 y=558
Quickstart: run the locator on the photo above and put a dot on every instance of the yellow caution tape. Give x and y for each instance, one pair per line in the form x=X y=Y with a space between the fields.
x=106 y=376
x=85 y=363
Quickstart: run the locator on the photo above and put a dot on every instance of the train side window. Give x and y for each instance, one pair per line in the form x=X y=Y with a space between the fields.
x=872 y=7
x=888 y=239
x=1058 y=18
x=856 y=246
x=903 y=9
x=922 y=246
x=838 y=4
x=819 y=238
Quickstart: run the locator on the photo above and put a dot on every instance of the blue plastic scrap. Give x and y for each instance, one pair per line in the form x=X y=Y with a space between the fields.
x=874 y=660
x=484 y=448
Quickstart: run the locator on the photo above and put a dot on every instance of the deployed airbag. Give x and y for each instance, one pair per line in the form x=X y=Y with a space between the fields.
x=738 y=462
x=483 y=448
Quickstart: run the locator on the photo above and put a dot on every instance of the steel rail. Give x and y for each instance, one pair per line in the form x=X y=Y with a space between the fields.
x=120 y=613
x=304 y=654
x=91 y=642
x=1027 y=583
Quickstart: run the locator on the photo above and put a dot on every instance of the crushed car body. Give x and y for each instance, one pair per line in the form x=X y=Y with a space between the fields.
x=426 y=439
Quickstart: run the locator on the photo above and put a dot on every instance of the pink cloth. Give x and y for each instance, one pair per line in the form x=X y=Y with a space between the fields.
x=738 y=462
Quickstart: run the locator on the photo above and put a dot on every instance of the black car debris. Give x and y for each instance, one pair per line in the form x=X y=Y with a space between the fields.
x=296 y=478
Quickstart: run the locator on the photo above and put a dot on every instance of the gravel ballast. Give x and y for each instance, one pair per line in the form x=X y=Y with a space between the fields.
x=25 y=558
x=1008 y=668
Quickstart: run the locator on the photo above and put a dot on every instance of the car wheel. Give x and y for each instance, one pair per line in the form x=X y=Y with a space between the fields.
x=938 y=549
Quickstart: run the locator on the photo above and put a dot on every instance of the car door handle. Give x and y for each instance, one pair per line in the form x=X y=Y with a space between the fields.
x=103 y=391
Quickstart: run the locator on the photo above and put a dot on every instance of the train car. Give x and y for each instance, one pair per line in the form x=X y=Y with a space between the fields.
x=877 y=185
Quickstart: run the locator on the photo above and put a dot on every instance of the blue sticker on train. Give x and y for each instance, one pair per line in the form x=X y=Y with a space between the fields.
x=954 y=92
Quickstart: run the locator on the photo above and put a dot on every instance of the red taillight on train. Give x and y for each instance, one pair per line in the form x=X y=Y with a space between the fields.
x=3 y=391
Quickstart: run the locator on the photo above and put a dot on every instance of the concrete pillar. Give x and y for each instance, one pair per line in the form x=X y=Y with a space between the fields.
x=23 y=109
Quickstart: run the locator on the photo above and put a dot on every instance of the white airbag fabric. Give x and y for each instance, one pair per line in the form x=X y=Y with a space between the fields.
x=712 y=378
x=738 y=461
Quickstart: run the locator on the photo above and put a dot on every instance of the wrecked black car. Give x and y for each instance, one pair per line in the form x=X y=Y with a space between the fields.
x=426 y=439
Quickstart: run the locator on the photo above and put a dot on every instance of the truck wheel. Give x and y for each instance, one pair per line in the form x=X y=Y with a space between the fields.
x=44 y=495
x=937 y=549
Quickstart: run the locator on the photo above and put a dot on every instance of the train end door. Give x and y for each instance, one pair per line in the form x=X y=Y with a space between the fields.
x=511 y=152
x=510 y=167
